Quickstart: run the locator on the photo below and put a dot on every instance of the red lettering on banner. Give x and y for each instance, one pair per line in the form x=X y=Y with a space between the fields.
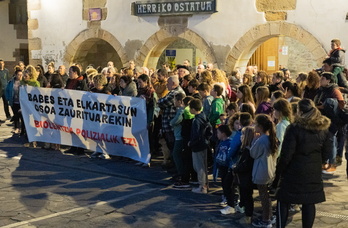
x=129 y=141
x=50 y=125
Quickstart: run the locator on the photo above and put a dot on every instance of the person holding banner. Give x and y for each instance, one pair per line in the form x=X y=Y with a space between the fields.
x=29 y=78
x=76 y=82
x=147 y=92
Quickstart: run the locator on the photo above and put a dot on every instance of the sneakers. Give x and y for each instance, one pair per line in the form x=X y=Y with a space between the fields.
x=330 y=170
x=181 y=185
x=145 y=165
x=223 y=203
x=227 y=210
x=260 y=223
x=200 y=189
x=239 y=209
x=246 y=220
x=273 y=219
x=104 y=156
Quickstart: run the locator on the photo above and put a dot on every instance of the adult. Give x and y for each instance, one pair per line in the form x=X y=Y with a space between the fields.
x=182 y=71
x=127 y=87
x=210 y=66
x=339 y=77
x=4 y=78
x=306 y=144
x=169 y=110
x=187 y=63
x=200 y=69
x=277 y=80
x=21 y=65
x=50 y=70
x=260 y=80
x=63 y=74
x=76 y=82
x=41 y=78
x=312 y=85
x=161 y=86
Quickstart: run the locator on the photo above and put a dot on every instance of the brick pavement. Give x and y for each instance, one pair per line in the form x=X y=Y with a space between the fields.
x=332 y=213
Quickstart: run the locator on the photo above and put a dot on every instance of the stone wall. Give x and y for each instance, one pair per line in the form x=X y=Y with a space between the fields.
x=300 y=59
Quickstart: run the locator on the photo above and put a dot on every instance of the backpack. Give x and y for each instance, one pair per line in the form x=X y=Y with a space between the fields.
x=221 y=156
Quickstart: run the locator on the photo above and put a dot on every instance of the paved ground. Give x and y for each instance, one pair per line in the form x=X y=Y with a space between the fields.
x=42 y=188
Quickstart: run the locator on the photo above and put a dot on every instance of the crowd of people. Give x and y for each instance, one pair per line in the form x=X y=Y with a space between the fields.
x=274 y=133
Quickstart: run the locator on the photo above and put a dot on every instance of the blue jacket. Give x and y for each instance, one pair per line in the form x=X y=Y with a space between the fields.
x=234 y=148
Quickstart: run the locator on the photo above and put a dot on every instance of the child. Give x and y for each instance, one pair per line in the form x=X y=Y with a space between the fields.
x=243 y=170
x=178 y=144
x=283 y=113
x=207 y=99
x=231 y=192
x=221 y=160
x=262 y=101
x=192 y=89
x=264 y=151
x=234 y=124
x=217 y=106
x=186 y=123
x=199 y=144
x=231 y=109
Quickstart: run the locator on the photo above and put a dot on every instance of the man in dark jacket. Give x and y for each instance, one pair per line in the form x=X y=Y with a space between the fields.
x=76 y=82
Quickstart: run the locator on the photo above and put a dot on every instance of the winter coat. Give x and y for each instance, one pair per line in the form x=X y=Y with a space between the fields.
x=244 y=167
x=198 y=141
x=306 y=145
x=264 y=162
x=130 y=90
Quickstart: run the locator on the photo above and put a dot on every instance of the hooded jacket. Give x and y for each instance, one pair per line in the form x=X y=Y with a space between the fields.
x=306 y=145
x=198 y=142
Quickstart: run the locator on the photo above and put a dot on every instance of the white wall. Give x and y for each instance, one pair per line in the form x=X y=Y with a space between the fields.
x=60 y=21
x=8 y=38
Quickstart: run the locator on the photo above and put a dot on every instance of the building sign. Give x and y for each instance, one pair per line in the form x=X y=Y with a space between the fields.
x=95 y=14
x=173 y=8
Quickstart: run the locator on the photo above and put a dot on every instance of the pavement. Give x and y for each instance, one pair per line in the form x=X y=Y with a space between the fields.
x=332 y=213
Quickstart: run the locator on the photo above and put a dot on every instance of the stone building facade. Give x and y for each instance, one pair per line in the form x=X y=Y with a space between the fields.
x=65 y=32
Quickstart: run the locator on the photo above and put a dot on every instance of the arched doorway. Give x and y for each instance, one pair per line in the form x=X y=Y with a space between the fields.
x=97 y=52
x=187 y=44
x=95 y=46
x=283 y=52
x=246 y=46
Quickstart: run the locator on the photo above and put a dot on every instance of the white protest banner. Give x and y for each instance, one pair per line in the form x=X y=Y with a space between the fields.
x=98 y=122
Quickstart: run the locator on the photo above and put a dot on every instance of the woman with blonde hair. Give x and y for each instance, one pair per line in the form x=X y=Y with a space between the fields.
x=30 y=76
x=247 y=79
x=206 y=77
x=301 y=81
x=306 y=145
